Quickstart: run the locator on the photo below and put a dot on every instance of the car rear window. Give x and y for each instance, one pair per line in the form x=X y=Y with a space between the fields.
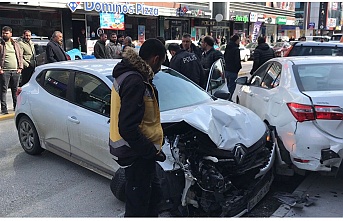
x=319 y=77
x=316 y=50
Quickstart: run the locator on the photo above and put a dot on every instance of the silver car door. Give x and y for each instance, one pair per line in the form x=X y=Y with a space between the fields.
x=88 y=121
x=50 y=109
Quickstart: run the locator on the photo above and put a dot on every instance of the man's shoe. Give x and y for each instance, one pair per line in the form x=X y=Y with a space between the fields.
x=4 y=112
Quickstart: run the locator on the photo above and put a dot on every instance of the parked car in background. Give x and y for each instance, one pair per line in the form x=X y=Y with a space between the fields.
x=318 y=38
x=244 y=52
x=40 y=48
x=302 y=98
x=336 y=37
x=251 y=46
x=280 y=48
x=311 y=48
x=233 y=160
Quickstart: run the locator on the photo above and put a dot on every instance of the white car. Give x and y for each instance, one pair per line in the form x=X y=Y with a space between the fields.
x=303 y=98
x=65 y=108
x=244 y=52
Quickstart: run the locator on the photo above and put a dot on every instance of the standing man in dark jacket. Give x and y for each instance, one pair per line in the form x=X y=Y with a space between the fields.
x=11 y=65
x=189 y=46
x=99 y=47
x=262 y=54
x=136 y=134
x=187 y=64
x=54 y=50
x=210 y=55
x=232 y=63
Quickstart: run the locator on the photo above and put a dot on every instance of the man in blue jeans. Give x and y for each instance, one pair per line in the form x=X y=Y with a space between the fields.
x=11 y=64
x=232 y=59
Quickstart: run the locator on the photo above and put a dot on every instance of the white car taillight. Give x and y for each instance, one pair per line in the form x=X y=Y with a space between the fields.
x=303 y=112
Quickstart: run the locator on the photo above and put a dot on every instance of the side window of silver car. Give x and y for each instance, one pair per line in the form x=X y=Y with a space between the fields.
x=92 y=93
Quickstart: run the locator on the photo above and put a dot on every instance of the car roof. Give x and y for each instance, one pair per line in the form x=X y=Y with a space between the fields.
x=318 y=44
x=299 y=60
x=100 y=66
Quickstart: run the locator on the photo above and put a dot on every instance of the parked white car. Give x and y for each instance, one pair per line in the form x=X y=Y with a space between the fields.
x=244 y=52
x=303 y=98
x=65 y=108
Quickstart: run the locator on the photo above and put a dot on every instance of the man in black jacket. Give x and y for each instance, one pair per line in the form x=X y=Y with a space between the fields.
x=187 y=64
x=232 y=63
x=99 y=47
x=210 y=55
x=262 y=54
x=54 y=50
x=189 y=46
x=136 y=134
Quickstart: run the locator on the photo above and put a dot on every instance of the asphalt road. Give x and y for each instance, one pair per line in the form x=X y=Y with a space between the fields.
x=48 y=185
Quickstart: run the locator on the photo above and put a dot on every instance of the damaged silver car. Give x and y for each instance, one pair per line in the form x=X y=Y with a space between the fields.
x=219 y=154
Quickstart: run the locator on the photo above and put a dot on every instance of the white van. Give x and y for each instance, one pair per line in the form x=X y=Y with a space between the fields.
x=336 y=37
x=317 y=38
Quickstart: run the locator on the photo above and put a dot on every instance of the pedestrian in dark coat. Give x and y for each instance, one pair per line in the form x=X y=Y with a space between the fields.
x=232 y=63
x=189 y=46
x=187 y=64
x=210 y=55
x=262 y=53
x=136 y=134
x=99 y=47
x=54 y=50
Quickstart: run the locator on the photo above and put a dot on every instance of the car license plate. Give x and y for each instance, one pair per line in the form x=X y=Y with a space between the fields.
x=261 y=193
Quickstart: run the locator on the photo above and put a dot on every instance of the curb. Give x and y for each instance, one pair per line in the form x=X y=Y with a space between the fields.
x=6 y=116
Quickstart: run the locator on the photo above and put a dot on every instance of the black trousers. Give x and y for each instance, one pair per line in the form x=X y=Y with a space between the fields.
x=26 y=74
x=9 y=79
x=143 y=190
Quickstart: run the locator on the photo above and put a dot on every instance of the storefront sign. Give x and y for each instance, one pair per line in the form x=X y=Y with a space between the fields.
x=141 y=33
x=281 y=20
x=311 y=25
x=137 y=8
x=112 y=21
x=331 y=22
x=206 y=23
x=243 y=18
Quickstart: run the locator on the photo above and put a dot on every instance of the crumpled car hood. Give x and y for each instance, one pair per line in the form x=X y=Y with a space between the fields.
x=224 y=122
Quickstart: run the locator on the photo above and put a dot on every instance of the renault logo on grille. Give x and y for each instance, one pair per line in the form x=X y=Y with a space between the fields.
x=239 y=153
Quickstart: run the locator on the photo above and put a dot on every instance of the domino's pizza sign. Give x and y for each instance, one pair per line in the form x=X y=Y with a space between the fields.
x=73 y=6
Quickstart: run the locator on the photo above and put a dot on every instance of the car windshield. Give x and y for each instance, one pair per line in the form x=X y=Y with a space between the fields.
x=251 y=45
x=316 y=50
x=279 y=44
x=176 y=91
x=319 y=77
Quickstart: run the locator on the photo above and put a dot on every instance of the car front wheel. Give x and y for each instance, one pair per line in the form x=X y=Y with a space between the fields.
x=118 y=184
x=246 y=58
x=28 y=136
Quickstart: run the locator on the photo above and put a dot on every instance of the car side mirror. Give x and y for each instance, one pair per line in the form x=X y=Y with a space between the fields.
x=242 y=80
x=225 y=95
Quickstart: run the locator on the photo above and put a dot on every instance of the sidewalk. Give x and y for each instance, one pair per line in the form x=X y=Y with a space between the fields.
x=10 y=114
x=327 y=192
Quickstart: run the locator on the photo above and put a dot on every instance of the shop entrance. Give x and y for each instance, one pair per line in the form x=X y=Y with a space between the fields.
x=78 y=25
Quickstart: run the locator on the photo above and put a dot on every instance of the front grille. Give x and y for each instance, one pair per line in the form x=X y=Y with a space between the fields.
x=256 y=156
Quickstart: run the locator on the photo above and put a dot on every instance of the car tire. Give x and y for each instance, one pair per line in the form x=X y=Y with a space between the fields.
x=245 y=58
x=28 y=136
x=118 y=184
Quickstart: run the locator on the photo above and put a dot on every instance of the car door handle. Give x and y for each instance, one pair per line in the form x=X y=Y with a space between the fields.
x=266 y=99
x=73 y=119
